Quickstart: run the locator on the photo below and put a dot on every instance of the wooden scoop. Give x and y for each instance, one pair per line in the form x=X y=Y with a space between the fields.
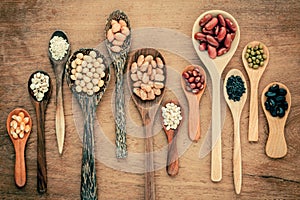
x=254 y=76
x=276 y=145
x=194 y=103
x=148 y=111
x=19 y=145
x=236 y=108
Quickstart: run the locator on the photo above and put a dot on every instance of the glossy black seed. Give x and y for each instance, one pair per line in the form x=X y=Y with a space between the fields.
x=235 y=88
x=280 y=98
x=273 y=112
x=285 y=105
x=280 y=112
x=282 y=92
x=270 y=94
x=274 y=88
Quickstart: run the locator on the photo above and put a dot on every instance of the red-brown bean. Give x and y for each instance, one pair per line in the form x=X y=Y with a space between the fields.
x=212 y=52
x=212 y=41
x=230 y=25
x=185 y=75
x=211 y=24
x=192 y=85
x=222 y=34
x=222 y=51
x=227 y=41
x=210 y=32
x=221 y=20
x=197 y=79
x=217 y=29
x=205 y=19
x=202 y=46
x=191 y=79
x=200 y=36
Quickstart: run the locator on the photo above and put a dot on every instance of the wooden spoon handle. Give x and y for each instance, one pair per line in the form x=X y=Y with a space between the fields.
x=276 y=146
x=173 y=163
x=253 y=115
x=60 y=118
x=41 y=154
x=194 y=120
x=20 y=168
x=237 y=157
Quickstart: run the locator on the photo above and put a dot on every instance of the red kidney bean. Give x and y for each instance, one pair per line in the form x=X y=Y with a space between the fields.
x=217 y=30
x=199 y=85
x=197 y=79
x=195 y=73
x=202 y=46
x=212 y=41
x=230 y=25
x=210 y=32
x=232 y=36
x=222 y=51
x=191 y=79
x=192 y=85
x=202 y=79
x=185 y=75
x=205 y=19
x=222 y=34
x=200 y=36
x=221 y=20
x=212 y=51
x=227 y=41
x=211 y=24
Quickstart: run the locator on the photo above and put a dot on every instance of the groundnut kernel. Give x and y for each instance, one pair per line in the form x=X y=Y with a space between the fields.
x=215 y=35
x=171 y=114
x=19 y=125
x=147 y=84
x=194 y=80
x=117 y=35
x=88 y=76
x=39 y=85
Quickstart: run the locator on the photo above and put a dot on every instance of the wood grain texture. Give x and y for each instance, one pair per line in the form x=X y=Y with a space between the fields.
x=25 y=27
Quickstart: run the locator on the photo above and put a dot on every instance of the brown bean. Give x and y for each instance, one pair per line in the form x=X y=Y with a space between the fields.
x=209 y=32
x=212 y=51
x=190 y=72
x=195 y=73
x=217 y=29
x=197 y=79
x=221 y=20
x=205 y=19
x=202 y=46
x=211 y=24
x=195 y=91
x=202 y=79
x=212 y=41
x=232 y=36
x=230 y=25
x=192 y=85
x=222 y=34
x=185 y=75
x=191 y=79
x=199 y=85
x=227 y=41
x=200 y=36
x=221 y=51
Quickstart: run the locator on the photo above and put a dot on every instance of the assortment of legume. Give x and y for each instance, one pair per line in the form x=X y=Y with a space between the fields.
x=171 y=114
x=39 y=85
x=215 y=35
x=58 y=47
x=117 y=34
x=255 y=56
x=235 y=88
x=148 y=75
x=87 y=71
x=19 y=125
x=194 y=80
x=276 y=102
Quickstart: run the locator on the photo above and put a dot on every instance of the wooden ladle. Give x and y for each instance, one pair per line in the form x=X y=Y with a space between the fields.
x=236 y=108
x=40 y=109
x=19 y=146
x=254 y=76
x=276 y=146
x=194 y=104
x=147 y=110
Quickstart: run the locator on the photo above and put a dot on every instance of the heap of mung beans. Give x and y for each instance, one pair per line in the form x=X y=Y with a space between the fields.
x=255 y=56
x=235 y=88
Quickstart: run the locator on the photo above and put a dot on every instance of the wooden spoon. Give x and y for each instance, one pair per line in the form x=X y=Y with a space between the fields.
x=172 y=160
x=254 y=76
x=276 y=145
x=194 y=104
x=215 y=68
x=19 y=145
x=236 y=108
x=119 y=60
x=147 y=111
x=59 y=68
x=40 y=109
x=88 y=105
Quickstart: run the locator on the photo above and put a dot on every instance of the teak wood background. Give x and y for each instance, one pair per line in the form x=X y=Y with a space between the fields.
x=25 y=30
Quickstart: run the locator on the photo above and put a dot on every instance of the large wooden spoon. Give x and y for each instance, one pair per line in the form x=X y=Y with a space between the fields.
x=19 y=145
x=236 y=108
x=194 y=104
x=254 y=76
x=215 y=68
x=40 y=109
x=147 y=110
x=276 y=146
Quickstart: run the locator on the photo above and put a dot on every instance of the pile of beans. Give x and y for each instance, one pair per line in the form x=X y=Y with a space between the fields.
x=194 y=80
x=276 y=103
x=216 y=34
x=39 y=85
x=171 y=114
x=58 y=47
x=19 y=125
x=117 y=34
x=148 y=75
x=255 y=56
x=87 y=71
x=235 y=88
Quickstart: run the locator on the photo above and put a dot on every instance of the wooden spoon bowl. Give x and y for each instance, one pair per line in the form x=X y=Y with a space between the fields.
x=19 y=146
x=276 y=146
x=254 y=77
x=194 y=104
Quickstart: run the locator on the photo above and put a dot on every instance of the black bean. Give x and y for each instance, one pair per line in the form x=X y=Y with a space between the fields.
x=270 y=94
x=280 y=98
x=274 y=88
x=282 y=92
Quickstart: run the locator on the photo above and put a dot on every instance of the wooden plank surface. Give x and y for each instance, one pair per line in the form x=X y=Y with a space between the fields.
x=25 y=30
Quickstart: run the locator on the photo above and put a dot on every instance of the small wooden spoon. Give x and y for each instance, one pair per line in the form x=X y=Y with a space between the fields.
x=276 y=145
x=19 y=145
x=194 y=104
x=254 y=76
x=236 y=108
x=40 y=109
x=147 y=111
x=172 y=161
x=59 y=69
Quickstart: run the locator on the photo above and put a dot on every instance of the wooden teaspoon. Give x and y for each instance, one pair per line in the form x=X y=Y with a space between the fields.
x=254 y=76
x=194 y=104
x=276 y=146
x=236 y=108
x=19 y=146
x=40 y=109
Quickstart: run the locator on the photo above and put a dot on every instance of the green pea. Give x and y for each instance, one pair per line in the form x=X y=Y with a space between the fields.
x=252 y=53
x=249 y=60
x=255 y=66
x=259 y=57
x=249 y=46
x=261 y=51
x=250 y=65
x=256 y=47
x=265 y=56
x=247 y=55
x=261 y=46
x=257 y=61
x=258 y=52
x=262 y=63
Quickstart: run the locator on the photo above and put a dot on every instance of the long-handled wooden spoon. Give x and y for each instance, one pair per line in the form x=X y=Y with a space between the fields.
x=88 y=105
x=254 y=77
x=40 y=109
x=148 y=110
x=194 y=103
x=236 y=108
x=19 y=145
x=59 y=69
x=119 y=60
x=276 y=146
x=215 y=68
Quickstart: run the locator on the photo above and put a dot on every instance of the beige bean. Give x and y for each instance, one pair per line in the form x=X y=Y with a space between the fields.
x=122 y=23
x=151 y=95
x=145 y=78
x=153 y=63
x=139 y=75
x=78 y=62
x=125 y=30
x=149 y=58
x=116 y=28
x=120 y=37
x=137 y=91
x=115 y=49
x=146 y=87
x=144 y=66
x=134 y=77
x=157 y=92
x=117 y=43
x=134 y=67
x=159 y=71
x=101 y=83
x=137 y=84
x=26 y=120
x=159 y=77
x=79 y=55
x=140 y=60
x=96 y=89
x=143 y=95
x=159 y=85
x=113 y=22
x=149 y=70
x=27 y=128
x=159 y=62
x=110 y=35
x=153 y=74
